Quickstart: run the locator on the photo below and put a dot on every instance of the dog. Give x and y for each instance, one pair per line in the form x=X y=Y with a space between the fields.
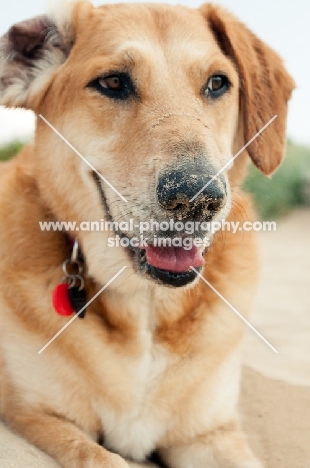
x=140 y=112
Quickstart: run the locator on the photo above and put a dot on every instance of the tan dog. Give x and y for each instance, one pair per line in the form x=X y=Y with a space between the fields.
x=158 y=99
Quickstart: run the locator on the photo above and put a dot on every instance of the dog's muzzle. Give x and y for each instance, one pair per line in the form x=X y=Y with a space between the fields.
x=185 y=193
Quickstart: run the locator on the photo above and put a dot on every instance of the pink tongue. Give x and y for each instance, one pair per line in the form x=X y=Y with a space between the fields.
x=175 y=259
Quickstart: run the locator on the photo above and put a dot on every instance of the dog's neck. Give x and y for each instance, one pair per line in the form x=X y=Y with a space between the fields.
x=144 y=305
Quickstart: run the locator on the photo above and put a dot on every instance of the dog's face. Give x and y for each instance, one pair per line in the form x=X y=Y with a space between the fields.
x=155 y=110
x=157 y=99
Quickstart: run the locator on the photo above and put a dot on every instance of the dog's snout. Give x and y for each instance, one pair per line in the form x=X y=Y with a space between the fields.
x=180 y=190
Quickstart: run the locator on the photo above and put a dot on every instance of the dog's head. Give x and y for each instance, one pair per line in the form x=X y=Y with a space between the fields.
x=158 y=99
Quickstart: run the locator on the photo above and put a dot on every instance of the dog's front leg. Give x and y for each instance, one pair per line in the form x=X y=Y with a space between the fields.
x=224 y=448
x=63 y=441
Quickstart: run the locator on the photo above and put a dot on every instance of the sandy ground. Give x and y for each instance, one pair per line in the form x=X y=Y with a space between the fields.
x=275 y=396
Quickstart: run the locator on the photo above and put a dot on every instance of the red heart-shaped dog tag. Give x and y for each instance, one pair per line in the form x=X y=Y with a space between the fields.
x=61 y=300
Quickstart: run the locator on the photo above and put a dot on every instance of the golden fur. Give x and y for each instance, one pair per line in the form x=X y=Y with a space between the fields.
x=149 y=368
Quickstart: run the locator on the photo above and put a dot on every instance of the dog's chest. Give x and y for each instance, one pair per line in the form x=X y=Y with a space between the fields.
x=134 y=429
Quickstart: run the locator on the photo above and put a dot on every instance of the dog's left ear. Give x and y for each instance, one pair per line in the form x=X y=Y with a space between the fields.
x=29 y=54
x=265 y=86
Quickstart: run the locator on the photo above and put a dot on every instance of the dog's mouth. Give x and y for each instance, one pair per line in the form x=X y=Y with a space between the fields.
x=169 y=266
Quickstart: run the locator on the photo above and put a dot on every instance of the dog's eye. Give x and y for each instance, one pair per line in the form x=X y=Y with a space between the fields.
x=113 y=82
x=217 y=85
x=115 y=86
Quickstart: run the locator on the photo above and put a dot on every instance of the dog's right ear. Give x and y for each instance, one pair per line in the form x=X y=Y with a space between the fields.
x=29 y=54
x=265 y=86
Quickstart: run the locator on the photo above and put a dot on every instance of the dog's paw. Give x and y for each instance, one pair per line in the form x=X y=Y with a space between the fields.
x=113 y=461
x=102 y=460
x=252 y=462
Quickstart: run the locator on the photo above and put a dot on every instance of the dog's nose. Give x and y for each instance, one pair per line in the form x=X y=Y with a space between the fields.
x=177 y=188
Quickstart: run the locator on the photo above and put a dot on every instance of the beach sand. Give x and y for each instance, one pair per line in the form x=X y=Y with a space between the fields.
x=275 y=394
